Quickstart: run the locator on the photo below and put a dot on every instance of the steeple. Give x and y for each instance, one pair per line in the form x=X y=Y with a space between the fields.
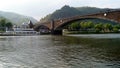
x=30 y=24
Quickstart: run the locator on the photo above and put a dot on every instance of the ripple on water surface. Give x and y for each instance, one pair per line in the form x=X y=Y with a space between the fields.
x=58 y=52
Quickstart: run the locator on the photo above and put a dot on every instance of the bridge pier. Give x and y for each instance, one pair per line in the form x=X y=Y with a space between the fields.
x=53 y=31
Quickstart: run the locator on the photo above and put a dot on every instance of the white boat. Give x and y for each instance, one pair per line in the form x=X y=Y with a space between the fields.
x=20 y=31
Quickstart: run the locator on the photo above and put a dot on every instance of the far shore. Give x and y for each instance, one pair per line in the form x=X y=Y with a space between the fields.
x=88 y=32
x=17 y=34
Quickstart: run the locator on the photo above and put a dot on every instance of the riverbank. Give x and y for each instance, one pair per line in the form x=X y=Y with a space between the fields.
x=5 y=34
x=96 y=36
x=88 y=32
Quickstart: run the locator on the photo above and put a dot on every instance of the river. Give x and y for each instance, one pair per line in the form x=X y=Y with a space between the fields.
x=71 y=51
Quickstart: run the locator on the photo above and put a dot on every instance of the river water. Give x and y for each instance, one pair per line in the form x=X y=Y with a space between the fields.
x=71 y=51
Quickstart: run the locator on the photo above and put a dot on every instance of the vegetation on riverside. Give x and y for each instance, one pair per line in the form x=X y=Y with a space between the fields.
x=4 y=24
x=89 y=26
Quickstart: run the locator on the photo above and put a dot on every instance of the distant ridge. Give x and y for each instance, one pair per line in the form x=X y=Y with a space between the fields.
x=16 y=18
x=67 y=11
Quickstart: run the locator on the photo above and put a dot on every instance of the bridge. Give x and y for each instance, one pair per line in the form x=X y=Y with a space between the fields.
x=56 y=26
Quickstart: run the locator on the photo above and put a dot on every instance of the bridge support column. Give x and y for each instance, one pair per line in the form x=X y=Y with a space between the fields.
x=53 y=31
x=52 y=27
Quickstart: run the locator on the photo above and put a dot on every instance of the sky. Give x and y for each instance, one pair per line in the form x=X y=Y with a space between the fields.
x=40 y=8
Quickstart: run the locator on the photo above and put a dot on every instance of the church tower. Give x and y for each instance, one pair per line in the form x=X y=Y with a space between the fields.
x=30 y=24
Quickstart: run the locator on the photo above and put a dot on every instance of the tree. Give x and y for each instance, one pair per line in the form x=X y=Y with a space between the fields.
x=74 y=26
x=98 y=27
x=83 y=25
x=86 y=25
x=90 y=24
x=116 y=28
x=9 y=25
x=107 y=27
x=2 y=23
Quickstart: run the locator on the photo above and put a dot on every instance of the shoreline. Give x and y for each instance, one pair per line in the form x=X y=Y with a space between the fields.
x=18 y=34
x=87 y=32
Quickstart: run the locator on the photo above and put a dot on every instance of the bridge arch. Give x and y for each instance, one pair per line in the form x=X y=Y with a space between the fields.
x=37 y=28
x=89 y=18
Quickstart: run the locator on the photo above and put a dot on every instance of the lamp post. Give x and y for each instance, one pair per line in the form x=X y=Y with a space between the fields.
x=105 y=14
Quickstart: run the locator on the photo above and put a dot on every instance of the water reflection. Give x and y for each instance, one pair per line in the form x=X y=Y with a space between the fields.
x=59 y=52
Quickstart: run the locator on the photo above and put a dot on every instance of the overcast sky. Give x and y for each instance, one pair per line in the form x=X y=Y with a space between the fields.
x=40 y=8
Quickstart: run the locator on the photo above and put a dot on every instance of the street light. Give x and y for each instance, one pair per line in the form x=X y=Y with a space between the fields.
x=105 y=14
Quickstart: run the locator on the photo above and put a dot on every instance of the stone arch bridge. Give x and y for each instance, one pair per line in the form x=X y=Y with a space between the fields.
x=57 y=25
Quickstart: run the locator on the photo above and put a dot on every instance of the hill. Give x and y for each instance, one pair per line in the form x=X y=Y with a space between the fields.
x=67 y=11
x=16 y=18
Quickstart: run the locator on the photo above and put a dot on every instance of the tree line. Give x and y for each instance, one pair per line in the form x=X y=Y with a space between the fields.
x=90 y=26
x=4 y=24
